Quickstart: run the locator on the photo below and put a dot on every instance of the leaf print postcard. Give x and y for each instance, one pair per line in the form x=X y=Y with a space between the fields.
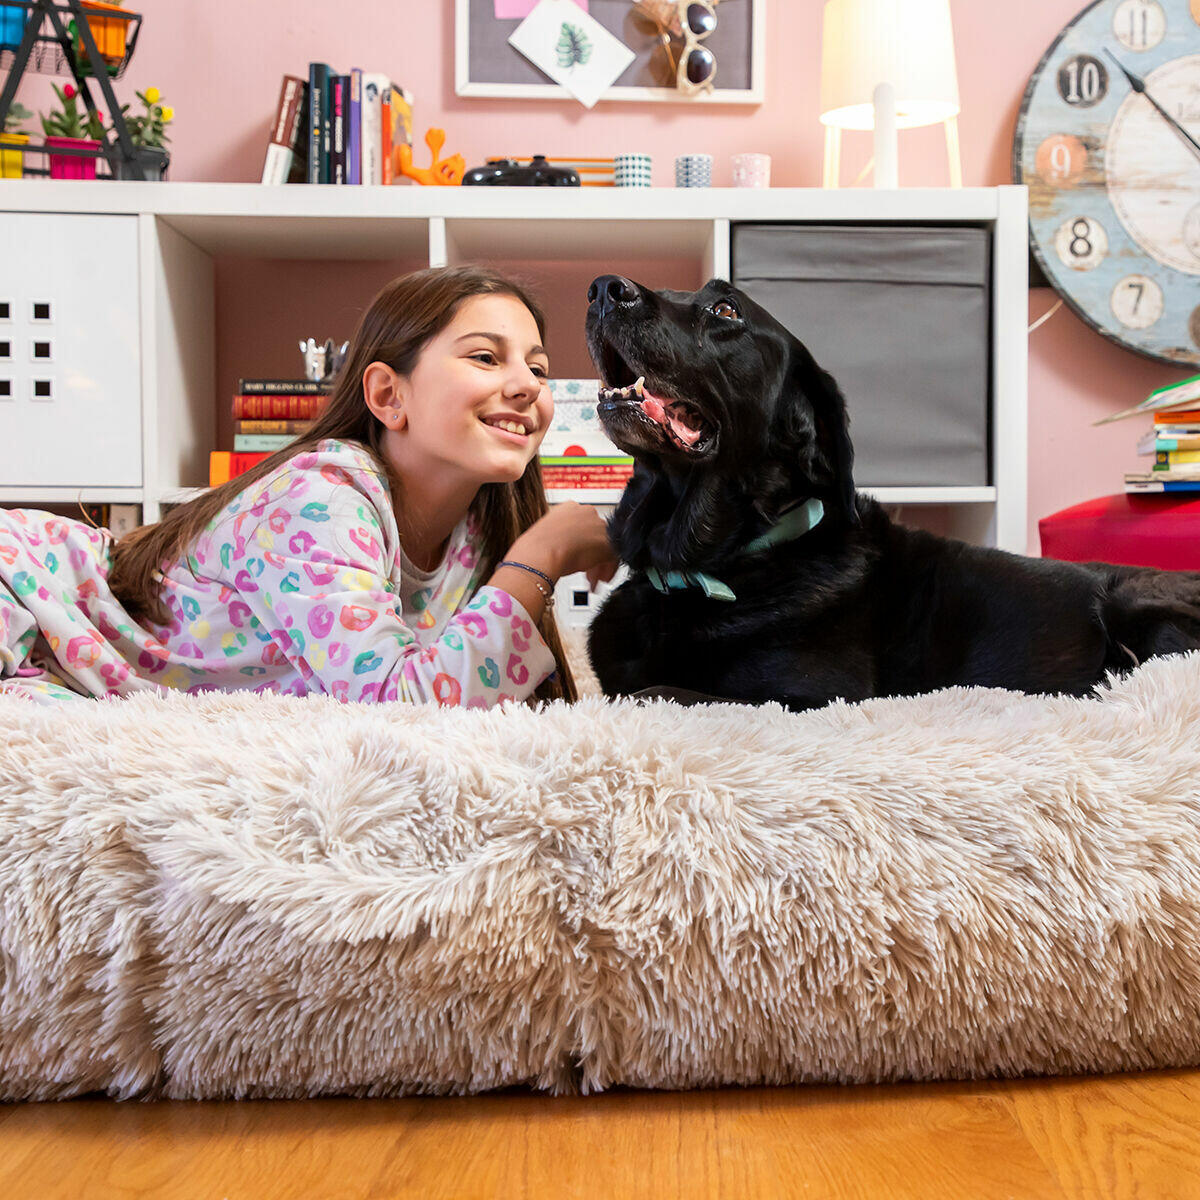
x=573 y=48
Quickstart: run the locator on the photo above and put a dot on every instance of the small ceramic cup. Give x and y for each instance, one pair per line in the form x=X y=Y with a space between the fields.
x=752 y=170
x=632 y=170
x=693 y=170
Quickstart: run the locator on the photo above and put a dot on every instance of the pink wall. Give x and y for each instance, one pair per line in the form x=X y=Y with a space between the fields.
x=219 y=63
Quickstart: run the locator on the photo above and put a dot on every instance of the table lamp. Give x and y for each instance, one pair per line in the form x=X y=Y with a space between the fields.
x=887 y=65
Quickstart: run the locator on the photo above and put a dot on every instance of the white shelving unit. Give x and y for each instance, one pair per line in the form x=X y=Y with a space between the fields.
x=154 y=379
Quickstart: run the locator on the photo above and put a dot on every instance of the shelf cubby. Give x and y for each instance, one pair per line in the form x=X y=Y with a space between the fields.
x=210 y=256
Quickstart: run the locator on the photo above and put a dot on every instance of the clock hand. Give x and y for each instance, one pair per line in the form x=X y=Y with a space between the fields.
x=1139 y=86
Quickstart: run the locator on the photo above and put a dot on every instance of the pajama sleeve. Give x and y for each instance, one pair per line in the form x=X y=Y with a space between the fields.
x=311 y=571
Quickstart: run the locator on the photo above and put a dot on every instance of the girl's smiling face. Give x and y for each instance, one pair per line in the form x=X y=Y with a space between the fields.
x=477 y=404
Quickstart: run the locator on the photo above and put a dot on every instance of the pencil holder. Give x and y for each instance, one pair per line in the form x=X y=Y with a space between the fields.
x=632 y=170
x=693 y=170
x=752 y=170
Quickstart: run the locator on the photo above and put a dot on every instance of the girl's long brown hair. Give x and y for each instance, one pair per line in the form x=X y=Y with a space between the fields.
x=400 y=321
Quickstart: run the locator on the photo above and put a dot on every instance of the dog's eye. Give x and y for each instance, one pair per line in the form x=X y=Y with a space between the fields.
x=723 y=308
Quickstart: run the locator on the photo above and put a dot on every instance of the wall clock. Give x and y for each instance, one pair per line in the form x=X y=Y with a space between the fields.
x=1108 y=141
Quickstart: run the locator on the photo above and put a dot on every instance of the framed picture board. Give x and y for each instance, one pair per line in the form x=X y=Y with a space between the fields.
x=486 y=65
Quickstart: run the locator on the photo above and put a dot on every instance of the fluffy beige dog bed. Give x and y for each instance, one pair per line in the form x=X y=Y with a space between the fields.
x=235 y=896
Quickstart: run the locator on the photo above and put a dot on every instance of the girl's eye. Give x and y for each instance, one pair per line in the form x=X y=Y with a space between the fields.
x=540 y=372
x=723 y=308
x=484 y=356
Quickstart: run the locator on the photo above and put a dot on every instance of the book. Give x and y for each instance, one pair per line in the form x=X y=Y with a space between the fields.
x=1147 y=482
x=275 y=407
x=1169 y=396
x=577 y=459
x=327 y=127
x=287 y=148
x=1176 y=458
x=371 y=134
x=224 y=465
x=256 y=442
x=397 y=131
x=570 y=476
x=575 y=436
x=387 y=164
x=1178 y=416
x=299 y=168
x=354 y=128
x=1154 y=441
x=340 y=95
x=291 y=387
x=318 y=91
x=270 y=425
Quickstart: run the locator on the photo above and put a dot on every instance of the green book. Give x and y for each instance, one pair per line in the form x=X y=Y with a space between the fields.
x=256 y=443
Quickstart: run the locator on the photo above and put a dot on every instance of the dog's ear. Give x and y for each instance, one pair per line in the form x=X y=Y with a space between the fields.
x=817 y=437
x=833 y=439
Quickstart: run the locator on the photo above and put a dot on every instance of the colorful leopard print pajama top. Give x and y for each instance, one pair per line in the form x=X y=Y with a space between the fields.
x=299 y=586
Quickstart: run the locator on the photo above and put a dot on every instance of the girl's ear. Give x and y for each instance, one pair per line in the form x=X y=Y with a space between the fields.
x=383 y=391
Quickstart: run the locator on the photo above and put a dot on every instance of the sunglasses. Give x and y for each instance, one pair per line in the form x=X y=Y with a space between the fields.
x=693 y=21
x=697 y=66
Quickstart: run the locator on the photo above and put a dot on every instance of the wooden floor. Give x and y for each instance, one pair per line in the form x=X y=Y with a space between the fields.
x=1131 y=1135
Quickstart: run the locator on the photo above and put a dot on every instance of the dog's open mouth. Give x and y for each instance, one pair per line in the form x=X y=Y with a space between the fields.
x=681 y=421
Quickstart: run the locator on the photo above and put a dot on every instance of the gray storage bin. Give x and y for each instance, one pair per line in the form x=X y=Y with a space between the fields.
x=899 y=316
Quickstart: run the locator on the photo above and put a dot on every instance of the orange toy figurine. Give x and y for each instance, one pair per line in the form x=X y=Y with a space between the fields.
x=444 y=171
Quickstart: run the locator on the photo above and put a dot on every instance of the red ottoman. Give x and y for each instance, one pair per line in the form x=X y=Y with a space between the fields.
x=1142 y=531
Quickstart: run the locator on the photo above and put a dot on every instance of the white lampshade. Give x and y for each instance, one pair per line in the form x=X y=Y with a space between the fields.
x=906 y=43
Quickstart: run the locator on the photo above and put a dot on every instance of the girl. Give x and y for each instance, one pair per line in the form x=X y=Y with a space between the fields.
x=400 y=550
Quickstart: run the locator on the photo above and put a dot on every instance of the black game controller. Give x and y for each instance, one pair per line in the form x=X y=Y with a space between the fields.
x=503 y=172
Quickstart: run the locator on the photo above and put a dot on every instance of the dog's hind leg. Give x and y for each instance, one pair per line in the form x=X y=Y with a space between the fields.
x=1147 y=612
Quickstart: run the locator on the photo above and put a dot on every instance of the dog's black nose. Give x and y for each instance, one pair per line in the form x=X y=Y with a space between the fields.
x=607 y=291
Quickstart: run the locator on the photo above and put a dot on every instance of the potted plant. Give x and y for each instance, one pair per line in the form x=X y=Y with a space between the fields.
x=12 y=26
x=109 y=32
x=148 y=132
x=67 y=126
x=12 y=162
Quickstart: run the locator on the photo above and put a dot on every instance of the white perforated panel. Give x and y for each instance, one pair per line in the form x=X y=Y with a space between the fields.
x=73 y=415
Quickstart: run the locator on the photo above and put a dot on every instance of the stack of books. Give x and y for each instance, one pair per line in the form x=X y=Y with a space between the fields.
x=1173 y=440
x=338 y=129
x=268 y=414
x=578 y=461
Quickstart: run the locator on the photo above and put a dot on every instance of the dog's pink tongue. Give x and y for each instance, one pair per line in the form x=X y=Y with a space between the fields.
x=656 y=410
x=653 y=408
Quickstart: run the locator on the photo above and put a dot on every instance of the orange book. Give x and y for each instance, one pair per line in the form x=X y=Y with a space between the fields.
x=396 y=130
x=224 y=465
x=1177 y=416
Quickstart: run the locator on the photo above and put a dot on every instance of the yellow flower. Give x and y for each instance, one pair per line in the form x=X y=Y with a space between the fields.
x=168 y=113
x=153 y=95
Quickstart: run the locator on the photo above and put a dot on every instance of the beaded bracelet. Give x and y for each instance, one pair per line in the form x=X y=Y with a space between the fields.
x=546 y=589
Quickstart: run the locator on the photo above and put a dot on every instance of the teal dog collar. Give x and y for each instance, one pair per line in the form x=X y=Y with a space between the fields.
x=793 y=524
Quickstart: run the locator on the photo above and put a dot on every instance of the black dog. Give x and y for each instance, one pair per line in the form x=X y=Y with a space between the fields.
x=760 y=574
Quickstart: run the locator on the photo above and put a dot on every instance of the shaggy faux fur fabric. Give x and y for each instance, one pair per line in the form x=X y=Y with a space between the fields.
x=241 y=896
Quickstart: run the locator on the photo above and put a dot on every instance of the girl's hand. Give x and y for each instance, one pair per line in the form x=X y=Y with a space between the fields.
x=601 y=573
x=570 y=537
